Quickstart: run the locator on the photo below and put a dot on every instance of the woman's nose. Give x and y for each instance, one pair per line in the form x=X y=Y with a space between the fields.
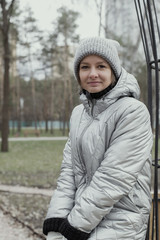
x=93 y=73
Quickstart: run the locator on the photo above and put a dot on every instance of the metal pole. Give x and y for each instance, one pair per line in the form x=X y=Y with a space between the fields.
x=150 y=34
x=157 y=120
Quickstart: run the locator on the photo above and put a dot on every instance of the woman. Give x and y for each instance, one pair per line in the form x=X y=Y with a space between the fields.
x=103 y=192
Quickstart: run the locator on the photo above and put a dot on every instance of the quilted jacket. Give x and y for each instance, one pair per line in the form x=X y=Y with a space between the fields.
x=103 y=192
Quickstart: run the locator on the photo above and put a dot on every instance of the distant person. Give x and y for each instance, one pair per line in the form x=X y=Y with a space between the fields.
x=103 y=192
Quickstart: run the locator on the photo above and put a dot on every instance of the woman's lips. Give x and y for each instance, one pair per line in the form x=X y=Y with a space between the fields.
x=93 y=84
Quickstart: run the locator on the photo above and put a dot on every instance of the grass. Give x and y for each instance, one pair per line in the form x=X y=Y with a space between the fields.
x=32 y=163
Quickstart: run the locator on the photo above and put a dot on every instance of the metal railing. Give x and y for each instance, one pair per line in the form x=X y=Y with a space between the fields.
x=147 y=15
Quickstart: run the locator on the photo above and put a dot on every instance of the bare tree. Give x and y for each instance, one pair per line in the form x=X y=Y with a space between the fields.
x=15 y=109
x=66 y=26
x=99 y=10
x=31 y=34
x=6 y=10
x=1 y=85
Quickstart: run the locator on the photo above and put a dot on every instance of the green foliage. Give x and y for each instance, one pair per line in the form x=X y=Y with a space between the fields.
x=66 y=23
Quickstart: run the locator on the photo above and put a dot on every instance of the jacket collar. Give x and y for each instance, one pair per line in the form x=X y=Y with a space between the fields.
x=126 y=86
x=97 y=95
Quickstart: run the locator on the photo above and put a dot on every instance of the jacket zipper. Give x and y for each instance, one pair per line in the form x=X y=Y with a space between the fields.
x=93 y=104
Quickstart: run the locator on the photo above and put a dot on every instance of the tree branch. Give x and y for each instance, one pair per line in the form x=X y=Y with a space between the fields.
x=99 y=11
x=3 y=7
x=9 y=13
x=10 y=9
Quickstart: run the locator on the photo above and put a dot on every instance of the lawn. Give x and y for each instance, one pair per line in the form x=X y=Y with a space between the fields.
x=32 y=163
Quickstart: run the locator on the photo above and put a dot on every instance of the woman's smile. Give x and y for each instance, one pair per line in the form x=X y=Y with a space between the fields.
x=94 y=83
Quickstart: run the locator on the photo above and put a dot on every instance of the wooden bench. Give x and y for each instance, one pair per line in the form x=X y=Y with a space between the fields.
x=29 y=132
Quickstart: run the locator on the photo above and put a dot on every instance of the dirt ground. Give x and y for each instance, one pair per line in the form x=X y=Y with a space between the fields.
x=12 y=230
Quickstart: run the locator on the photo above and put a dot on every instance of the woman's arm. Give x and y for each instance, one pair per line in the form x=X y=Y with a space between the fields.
x=63 y=198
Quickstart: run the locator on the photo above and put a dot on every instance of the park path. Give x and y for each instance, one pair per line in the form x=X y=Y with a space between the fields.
x=10 y=229
x=37 y=138
x=25 y=190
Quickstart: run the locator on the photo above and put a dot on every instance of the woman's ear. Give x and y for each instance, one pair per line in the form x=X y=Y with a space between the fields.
x=113 y=79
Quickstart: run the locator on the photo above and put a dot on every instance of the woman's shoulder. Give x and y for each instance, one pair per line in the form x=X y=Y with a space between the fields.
x=79 y=108
x=131 y=102
x=131 y=105
x=77 y=111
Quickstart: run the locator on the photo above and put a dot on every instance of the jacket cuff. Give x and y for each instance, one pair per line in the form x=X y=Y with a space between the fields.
x=72 y=233
x=52 y=225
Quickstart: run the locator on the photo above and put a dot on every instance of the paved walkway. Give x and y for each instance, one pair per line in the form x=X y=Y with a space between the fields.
x=37 y=138
x=10 y=229
x=28 y=190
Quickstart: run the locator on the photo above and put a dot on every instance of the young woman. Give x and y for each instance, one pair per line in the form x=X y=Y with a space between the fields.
x=103 y=192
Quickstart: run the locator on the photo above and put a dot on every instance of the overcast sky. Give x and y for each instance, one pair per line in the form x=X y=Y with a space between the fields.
x=45 y=11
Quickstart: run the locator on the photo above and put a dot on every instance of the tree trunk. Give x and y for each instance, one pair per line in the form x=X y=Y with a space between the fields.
x=99 y=10
x=52 y=127
x=13 y=127
x=1 y=94
x=5 y=107
x=34 y=102
x=46 y=125
x=67 y=83
x=19 y=118
x=64 y=102
x=16 y=85
x=4 y=25
x=52 y=104
x=32 y=89
x=1 y=86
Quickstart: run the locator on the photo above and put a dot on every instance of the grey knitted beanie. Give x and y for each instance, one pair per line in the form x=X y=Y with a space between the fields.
x=102 y=47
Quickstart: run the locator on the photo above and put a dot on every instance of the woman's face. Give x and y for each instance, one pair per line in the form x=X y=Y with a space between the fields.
x=95 y=74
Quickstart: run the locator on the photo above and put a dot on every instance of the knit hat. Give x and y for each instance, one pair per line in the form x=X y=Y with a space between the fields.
x=102 y=47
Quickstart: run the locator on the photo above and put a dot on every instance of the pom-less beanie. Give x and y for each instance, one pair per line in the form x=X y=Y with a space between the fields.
x=102 y=47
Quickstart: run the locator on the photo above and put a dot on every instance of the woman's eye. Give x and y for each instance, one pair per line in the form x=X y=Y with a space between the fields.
x=84 y=67
x=101 y=66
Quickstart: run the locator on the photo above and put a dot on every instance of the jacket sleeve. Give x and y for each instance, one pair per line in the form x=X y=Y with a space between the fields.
x=63 y=198
x=129 y=150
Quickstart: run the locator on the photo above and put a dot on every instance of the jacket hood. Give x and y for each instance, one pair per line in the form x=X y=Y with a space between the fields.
x=127 y=86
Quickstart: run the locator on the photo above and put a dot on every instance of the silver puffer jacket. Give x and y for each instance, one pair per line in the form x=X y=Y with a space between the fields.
x=104 y=184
